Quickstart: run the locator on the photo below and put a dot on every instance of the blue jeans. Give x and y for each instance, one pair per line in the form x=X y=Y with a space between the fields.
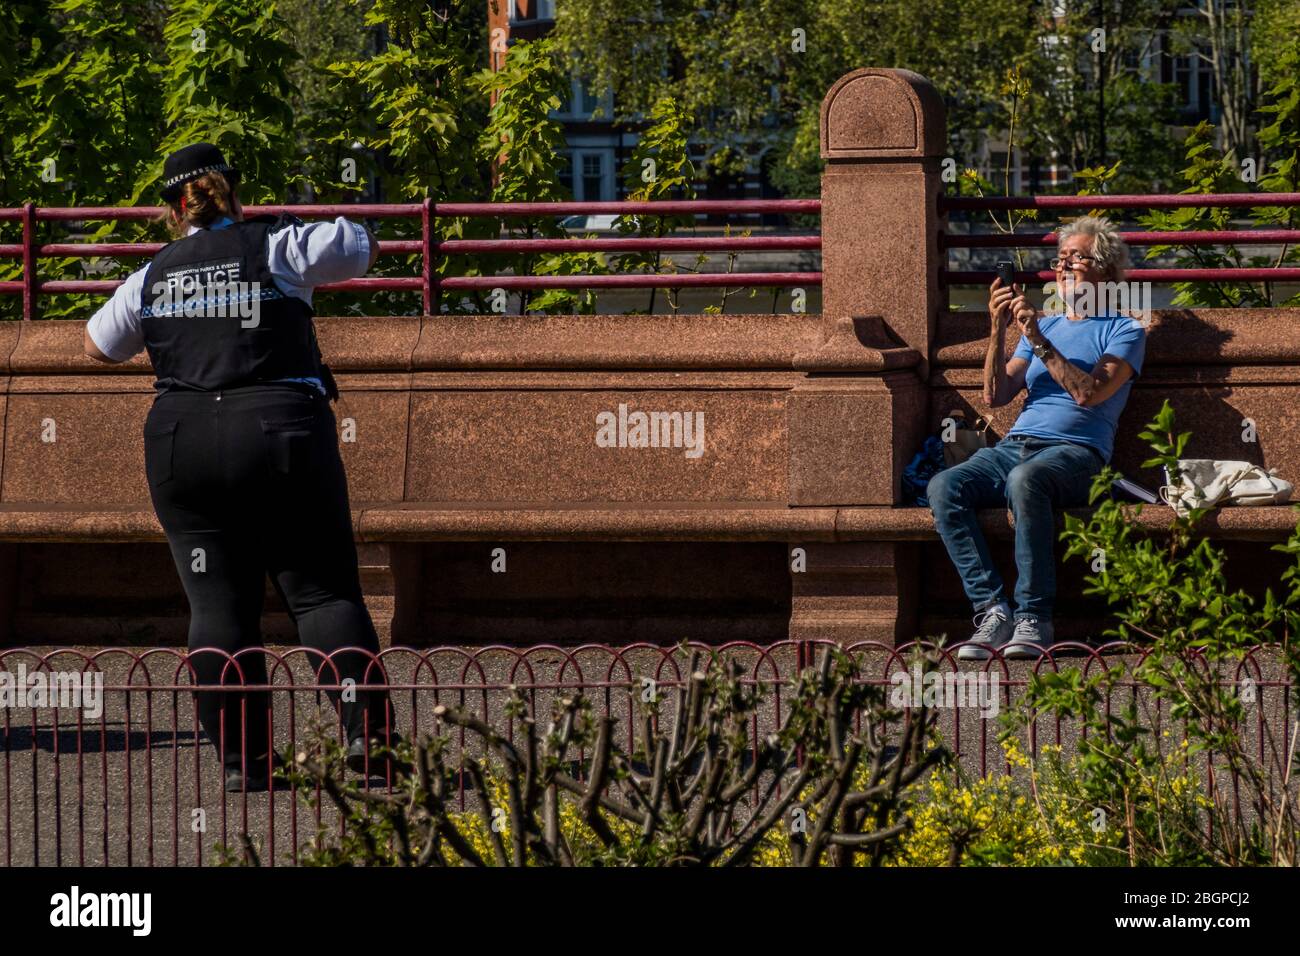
x=1030 y=476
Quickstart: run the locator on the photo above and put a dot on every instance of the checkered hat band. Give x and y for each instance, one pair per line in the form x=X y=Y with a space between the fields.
x=183 y=177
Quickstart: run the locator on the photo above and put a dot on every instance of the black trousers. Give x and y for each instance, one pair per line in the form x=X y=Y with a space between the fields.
x=246 y=482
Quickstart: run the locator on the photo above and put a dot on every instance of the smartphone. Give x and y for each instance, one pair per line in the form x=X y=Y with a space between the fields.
x=1007 y=273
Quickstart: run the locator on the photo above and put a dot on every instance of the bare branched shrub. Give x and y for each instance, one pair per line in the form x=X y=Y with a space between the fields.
x=831 y=785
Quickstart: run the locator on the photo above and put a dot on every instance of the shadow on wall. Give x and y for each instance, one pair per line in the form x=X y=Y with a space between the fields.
x=1185 y=364
x=1230 y=413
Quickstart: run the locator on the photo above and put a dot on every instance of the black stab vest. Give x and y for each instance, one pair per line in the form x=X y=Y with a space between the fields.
x=241 y=328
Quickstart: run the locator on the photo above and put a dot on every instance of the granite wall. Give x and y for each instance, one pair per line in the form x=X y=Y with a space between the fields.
x=499 y=491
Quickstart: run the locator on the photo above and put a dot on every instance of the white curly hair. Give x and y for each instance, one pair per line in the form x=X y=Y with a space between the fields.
x=1108 y=247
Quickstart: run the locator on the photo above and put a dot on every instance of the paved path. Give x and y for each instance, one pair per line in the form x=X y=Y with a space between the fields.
x=139 y=786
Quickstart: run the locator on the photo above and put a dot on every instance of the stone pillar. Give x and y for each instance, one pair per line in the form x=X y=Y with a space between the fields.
x=855 y=591
x=883 y=136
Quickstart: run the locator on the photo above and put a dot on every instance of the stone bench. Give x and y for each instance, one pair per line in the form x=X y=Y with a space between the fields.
x=859 y=562
x=488 y=508
x=452 y=521
x=494 y=418
x=474 y=434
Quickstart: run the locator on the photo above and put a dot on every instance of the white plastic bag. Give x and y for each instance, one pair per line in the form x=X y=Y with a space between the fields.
x=966 y=440
x=1208 y=483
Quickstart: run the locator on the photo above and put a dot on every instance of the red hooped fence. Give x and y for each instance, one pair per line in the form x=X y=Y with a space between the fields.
x=138 y=784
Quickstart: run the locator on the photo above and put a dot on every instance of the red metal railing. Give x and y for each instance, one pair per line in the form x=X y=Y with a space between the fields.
x=132 y=785
x=1153 y=201
x=1188 y=238
x=428 y=282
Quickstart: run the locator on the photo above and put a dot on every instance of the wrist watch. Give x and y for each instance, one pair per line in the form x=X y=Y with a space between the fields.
x=1043 y=349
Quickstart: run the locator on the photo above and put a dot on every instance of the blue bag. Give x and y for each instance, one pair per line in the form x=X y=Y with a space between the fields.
x=927 y=463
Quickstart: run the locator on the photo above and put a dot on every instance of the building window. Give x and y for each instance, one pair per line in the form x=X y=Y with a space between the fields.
x=566 y=173
x=582 y=102
x=595 y=179
x=537 y=10
x=1194 y=94
x=593 y=175
x=589 y=101
x=996 y=169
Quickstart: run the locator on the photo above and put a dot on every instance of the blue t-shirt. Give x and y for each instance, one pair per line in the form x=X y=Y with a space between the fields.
x=1049 y=411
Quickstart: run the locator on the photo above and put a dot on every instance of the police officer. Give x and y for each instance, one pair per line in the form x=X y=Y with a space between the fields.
x=241 y=450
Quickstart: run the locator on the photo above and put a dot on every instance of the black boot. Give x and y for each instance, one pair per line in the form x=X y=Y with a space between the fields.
x=255 y=780
x=379 y=764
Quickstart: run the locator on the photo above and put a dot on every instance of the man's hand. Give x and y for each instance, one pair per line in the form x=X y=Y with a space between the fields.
x=1002 y=379
x=1026 y=317
x=1000 y=299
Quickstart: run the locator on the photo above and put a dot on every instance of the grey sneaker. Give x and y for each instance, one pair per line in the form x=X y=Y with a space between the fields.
x=1030 y=640
x=992 y=630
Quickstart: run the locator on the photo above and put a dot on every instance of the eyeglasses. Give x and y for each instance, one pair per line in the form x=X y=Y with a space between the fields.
x=1066 y=260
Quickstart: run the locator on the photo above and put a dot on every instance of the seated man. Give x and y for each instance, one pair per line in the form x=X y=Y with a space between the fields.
x=1078 y=368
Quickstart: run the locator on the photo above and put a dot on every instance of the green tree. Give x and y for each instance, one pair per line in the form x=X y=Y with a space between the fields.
x=1209 y=170
x=1217 y=34
x=226 y=82
x=1279 y=141
x=99 y=108
x=91 y=109
x=327 y=32
x=523 y=143
x=83 y=124
x=753 y=74
x=422 y=121
x=1096 y=90
x=1274 y=30
x=659 y=168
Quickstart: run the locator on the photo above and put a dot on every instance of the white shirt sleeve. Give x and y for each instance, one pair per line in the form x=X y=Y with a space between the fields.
x=302 y=257
x=115 y=328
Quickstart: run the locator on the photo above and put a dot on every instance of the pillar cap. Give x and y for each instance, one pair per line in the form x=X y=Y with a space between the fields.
x=876 y=113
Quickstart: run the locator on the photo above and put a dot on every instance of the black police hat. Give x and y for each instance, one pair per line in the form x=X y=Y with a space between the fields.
x=191 y=162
